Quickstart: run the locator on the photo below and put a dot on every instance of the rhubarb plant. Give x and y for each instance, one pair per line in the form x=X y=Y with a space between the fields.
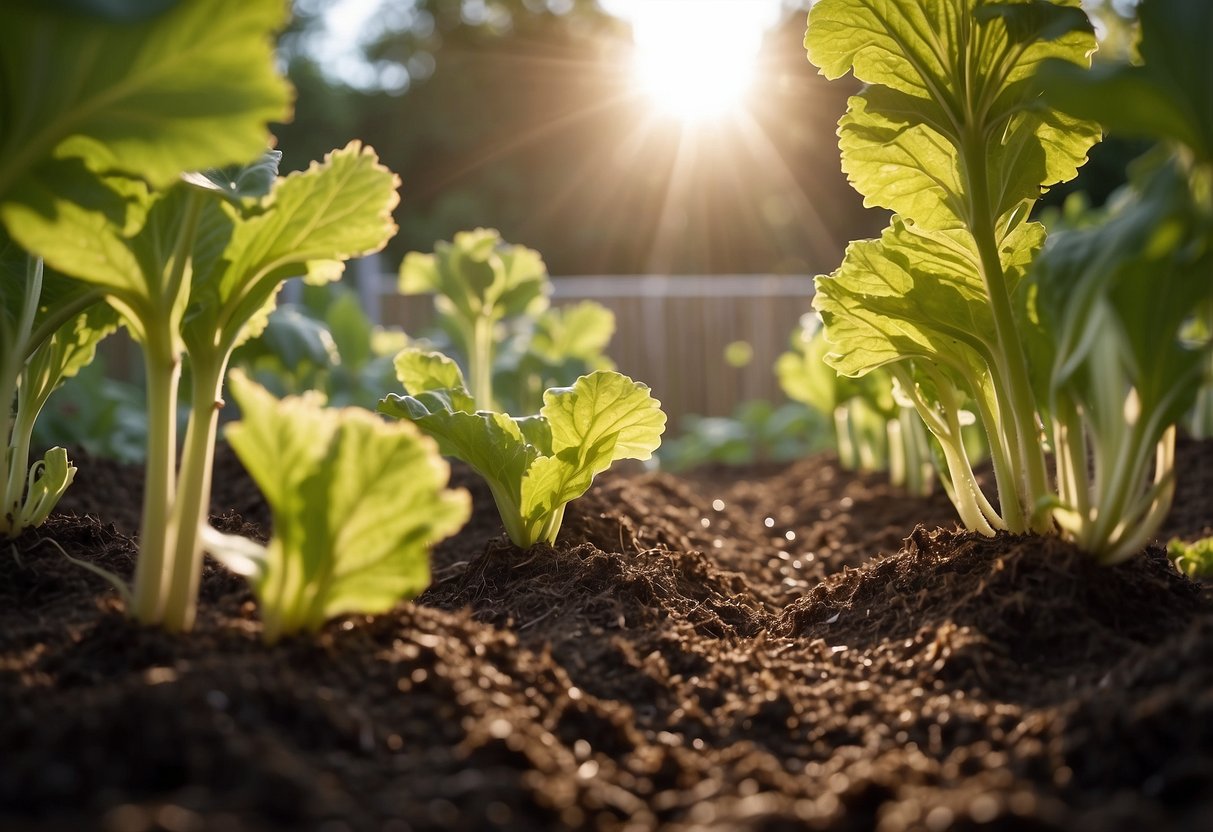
x=1124 y=305
x=194 y=271
x=357 y=503
x=49 y=331
x=131 y=93
x=478 y=281
x=952 y=136
x=534 y=465
x=873 y=429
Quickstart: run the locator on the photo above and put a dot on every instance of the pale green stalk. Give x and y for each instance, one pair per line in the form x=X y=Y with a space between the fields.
x=192 y=504
x=480 y=362
x=16 y=451
x=162 y=363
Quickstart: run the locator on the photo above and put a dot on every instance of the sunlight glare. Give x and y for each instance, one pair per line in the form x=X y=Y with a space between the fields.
x=696 y=58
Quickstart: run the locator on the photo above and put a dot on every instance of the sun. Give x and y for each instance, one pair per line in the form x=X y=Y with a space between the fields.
x=695 y=59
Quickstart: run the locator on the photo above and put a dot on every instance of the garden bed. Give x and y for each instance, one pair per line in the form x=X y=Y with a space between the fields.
x=697 y=653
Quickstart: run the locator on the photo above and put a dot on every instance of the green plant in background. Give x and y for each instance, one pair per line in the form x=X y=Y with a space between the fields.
x=144 y=93
x=950 y=134
x=325 y=343
x=758 y=431
x=478 y=281
x=534 y=465
x=552 y=349
x=873 y=431
x=1192 y=559
x=492 y=300
x=357 y=503
x=1124 y=305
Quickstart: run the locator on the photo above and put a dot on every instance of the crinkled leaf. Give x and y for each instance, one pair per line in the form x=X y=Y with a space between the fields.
x=605 y=408
x=357 y=502
x=188 y=89
x=941 y=75
x=915 y=294
x=1168 y=96
x=334 y=210
x=580 y=331
x=420 y=371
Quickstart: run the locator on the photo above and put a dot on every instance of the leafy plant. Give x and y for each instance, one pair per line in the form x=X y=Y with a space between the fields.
x=758 y=431
x=951 y=135
x=1124 y=304
x=326 y=343
x=194 y=270
x=533 y=465
x=49 y=330
x=873 y=431
x=1193 y=559
x=357 y=503
x=478 y=281
x=145 y=94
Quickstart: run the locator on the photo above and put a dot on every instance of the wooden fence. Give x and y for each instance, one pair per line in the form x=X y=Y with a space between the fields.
x=671 y=331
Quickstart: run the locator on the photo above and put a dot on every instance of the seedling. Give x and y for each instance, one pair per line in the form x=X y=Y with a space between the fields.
x=533 y=465
x=357 y=503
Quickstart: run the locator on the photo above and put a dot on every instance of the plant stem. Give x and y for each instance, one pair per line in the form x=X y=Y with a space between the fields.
x=16 y=446
x=481 y=362
x=163 y=371
x=162 y=363
x=1019 y=413
x=192 y=504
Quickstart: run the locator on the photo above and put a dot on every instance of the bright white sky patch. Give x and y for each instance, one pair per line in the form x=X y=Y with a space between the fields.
x=696 y=58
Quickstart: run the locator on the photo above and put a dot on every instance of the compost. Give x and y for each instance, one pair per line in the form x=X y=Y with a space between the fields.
x=783 y=647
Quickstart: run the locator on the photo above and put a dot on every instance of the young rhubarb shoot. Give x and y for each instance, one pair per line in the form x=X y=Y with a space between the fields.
x=951 y=135
x=357 y=503
x=534 y=465
x=49 y=331
x=308 y=224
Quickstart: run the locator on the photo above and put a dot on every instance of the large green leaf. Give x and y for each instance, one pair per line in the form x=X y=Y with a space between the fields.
x=951 y=90
x=188 y=89
x=916 y=294
x=1168 y=96
x=357 y=503
x=334 y=210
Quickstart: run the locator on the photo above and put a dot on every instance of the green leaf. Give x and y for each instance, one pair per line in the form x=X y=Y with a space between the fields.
x=478 y=274
x=916 y=294
x=420 y=371
x=334 y=210
x=192 y=88
x=1168 y=96
x=951 y=88
x=604 y=415
x=356 y=502
x=579 y=331
x=534 y=466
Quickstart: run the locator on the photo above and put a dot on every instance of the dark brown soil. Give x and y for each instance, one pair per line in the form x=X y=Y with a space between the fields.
x=755 y=651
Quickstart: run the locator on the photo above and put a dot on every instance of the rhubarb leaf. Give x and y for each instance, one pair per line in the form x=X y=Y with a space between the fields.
x=356 y=503
x=191 y=88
